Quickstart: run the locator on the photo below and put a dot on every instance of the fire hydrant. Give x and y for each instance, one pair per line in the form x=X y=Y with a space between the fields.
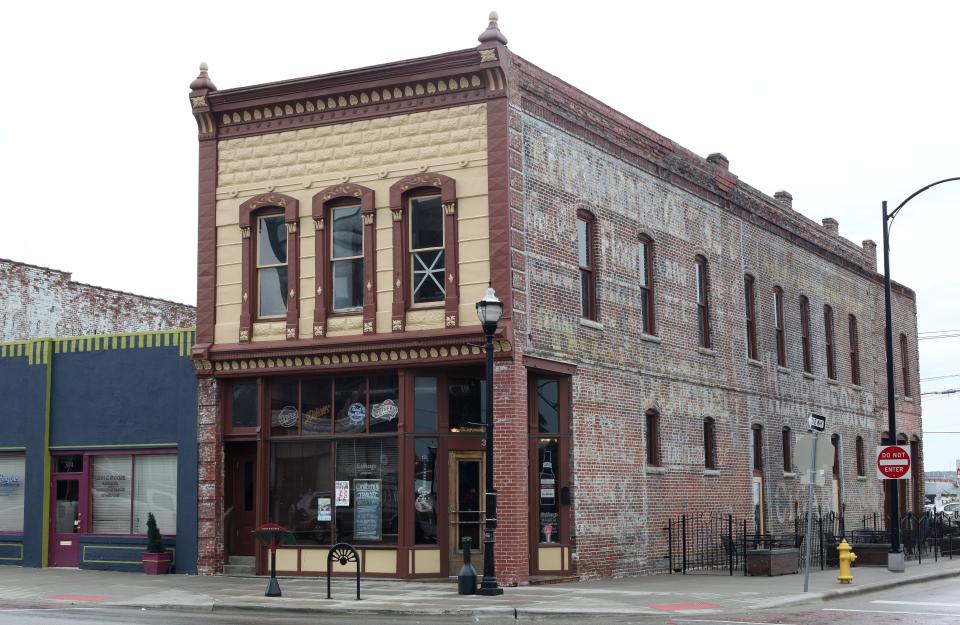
x=847 y=556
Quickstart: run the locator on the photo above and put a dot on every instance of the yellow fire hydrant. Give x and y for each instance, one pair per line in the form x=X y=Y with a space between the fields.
x=847 y=556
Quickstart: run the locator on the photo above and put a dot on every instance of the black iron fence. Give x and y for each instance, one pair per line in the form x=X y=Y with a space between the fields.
x=718 y=543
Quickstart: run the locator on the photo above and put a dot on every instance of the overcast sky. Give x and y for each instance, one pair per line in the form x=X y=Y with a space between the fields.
x=844 y=104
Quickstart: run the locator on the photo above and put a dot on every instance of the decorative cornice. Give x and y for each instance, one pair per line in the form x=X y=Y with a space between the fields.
x=360 y=357
x=371 y=101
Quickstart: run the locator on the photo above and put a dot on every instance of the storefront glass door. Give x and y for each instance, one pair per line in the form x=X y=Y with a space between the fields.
x=466 y=508
x=65 y=524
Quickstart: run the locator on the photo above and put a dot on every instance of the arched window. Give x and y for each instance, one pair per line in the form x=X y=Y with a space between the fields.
x=750 y=309
x=345 y=255
x=586 y=244
x=854 y=351
x=778 y=326
x=709 y=443
x=861 y=460
x=645 y=249
x=653 y=438
x=787 y=450
x=424 y=209
x=828 y=341
x=805 y=334
x=905 y=365
x=270 y=262
x=702 y=282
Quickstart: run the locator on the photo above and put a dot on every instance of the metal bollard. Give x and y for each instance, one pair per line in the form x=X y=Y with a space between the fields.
x=467 y=578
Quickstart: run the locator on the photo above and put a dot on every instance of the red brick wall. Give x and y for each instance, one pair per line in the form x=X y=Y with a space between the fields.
x=622 y=506
x=39 y=302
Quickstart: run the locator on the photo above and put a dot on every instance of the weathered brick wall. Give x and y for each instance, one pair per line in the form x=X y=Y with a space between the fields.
x=622 y=506
x=39 y=302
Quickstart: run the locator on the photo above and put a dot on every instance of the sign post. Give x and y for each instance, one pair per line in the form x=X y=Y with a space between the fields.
x=817 y=425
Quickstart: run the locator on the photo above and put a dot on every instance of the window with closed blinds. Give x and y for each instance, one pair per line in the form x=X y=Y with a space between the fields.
x=155 y=491
x=11 y=493
x=111 y=490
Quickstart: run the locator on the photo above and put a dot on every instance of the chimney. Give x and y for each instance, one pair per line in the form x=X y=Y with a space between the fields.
x=784 y=198
x=870 y=253
x=831 y=225
x=719 y=159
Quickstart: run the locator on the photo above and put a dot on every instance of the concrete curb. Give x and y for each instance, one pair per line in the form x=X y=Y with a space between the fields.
x=852 y=591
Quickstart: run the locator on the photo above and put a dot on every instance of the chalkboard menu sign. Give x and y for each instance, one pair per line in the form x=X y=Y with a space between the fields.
x=367 y=509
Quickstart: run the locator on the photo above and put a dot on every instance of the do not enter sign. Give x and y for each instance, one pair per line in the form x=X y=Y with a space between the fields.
x=893 y=462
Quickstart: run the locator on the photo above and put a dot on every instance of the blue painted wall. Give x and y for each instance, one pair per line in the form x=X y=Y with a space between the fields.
x=22 y=403
x=105 y=394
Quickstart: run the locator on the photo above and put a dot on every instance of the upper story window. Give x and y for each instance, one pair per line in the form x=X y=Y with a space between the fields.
x=828 y=341
x=346 y=257
x=270 y=261
x=756 y=432
x=426 y=249
x=787 y=450
x=861 y=460
x=709 y=443
x=272 y=277
x=854 y=351
x=425 y=255
x=904 y=365
x=585 y=258
x=750 y=309
x=653 y=438
x=778 y=326
x=703 y=302
x=645 y=248
x=805 y=334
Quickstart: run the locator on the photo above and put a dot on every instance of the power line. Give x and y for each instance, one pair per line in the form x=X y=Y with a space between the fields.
x=949 y=391
x=936 y=331
x=941 y=377
x=940 y=336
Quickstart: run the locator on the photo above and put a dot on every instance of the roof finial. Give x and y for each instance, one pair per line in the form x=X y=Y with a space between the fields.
x=202 y=81
x=492 y=33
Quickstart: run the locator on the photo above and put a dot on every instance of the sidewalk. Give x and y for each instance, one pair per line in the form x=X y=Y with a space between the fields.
x=679 y=594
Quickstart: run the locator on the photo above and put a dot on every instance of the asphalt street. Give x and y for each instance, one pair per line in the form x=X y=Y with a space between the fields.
x=936 y=602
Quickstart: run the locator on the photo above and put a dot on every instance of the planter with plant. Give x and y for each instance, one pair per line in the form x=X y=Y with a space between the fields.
x=156 y=559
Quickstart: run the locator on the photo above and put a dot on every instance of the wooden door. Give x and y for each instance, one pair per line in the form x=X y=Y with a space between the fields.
x=241 y=496
x=466 y=509
x=65 y=521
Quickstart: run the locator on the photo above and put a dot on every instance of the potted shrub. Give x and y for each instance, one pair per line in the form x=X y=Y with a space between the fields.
x=156 y=559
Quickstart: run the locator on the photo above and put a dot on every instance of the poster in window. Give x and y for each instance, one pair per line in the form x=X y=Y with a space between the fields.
x=367 y=509
x=343 y=493
x=323 y=509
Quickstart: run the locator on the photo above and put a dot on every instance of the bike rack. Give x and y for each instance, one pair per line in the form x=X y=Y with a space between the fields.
x=344 y=554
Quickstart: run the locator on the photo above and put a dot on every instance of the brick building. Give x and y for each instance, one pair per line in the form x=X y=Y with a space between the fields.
x=667 y=328
x=40 y=302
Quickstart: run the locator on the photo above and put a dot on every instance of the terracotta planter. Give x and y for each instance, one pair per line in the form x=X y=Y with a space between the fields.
x=157 y=563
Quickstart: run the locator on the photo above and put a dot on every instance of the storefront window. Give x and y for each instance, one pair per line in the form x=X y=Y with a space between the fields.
x=466 y=404
x=370 y=466
x=548 y=405
x=301 y=490
x=350 y=401
x=549 y=497
x=317 y=406
x=284 y=414
x=384 y=403
x=11 y=492
x=425 y=404
x=243 y=409
x=425 y=491
x=125 y=489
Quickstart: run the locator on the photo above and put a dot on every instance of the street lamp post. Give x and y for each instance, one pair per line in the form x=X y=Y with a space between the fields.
x=489 y=310
x=895 y=559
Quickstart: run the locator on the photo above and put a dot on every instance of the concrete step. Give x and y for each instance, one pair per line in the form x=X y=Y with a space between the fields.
x=239 y=569
x=244 y=560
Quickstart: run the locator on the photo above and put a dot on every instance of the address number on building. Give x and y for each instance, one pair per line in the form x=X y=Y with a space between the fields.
x=893 y=462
